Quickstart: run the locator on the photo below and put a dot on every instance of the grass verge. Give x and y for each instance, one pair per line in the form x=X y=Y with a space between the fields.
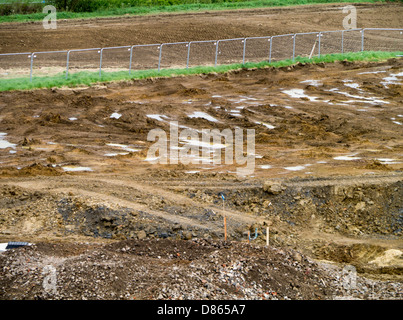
x=186 y=6
x=91 y=78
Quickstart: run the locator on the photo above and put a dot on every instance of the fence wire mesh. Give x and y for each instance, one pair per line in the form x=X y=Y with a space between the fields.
x=15 y=65
x=257 y=49
x=306 y=44
x=82 y=60
x=201 y=53
x=145 y=56
x=230 y=51
x=282 y=47
x=173 y=55
x=383 y=40
x=198 y=53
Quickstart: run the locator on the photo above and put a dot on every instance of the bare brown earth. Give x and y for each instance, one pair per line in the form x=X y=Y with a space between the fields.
x=130 y=229
x=131 y=30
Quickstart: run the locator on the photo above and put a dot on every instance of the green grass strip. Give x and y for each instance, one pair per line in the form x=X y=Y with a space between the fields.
x=90 y=78
x=184 y=7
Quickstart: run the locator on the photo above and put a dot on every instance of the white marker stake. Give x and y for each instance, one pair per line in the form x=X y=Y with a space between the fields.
x=267 y=236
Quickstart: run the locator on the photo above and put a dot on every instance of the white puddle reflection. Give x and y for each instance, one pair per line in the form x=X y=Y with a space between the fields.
x=157 y=117
x=269 y=126
x=122 y=146
x=115 y=115
x=371 y=72
x=75 y=169
x=371 y=100
x=347 y=158
x=200 y=114
x=4 y=144
x=299 y=93
x=116 y=154
x=203 y=144
x=392 y=79
x=350 y=84
x=296 y=168
x=265 y=166
x=314 y=83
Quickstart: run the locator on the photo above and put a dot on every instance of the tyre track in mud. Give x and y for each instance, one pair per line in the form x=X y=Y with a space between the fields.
x=170 y=191
x=106 y=199
x=103 y=196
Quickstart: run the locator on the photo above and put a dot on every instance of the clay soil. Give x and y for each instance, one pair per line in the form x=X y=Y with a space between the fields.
x=327 y=178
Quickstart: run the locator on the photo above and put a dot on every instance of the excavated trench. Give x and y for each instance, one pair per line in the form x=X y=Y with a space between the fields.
x=345 y=222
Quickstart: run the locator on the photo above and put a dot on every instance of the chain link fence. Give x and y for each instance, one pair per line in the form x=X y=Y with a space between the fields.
x=180 y=55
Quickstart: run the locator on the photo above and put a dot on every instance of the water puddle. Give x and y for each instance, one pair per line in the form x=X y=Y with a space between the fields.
x=372 y=72
x=265 y=166
x=203 y=144
x=347 y=158
x=4 y=144
x=203 y=115
x=296 y=168
x=116 y=154
x=269 y=126
x=115 y=115
x=351 y=84
x=76 y=169
x=387 y=161
x=122 y=146
x=371 y=100
x=157 y=117
x=314 y=83
x=392 y=79
x=299 y=93
x=235 y=113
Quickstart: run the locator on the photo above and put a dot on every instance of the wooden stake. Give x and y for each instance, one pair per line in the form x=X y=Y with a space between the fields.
x=267 y=236
x=313 y=49
x=225 y=228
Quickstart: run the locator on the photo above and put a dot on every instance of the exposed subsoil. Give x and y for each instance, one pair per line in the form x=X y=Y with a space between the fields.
x=327 y=182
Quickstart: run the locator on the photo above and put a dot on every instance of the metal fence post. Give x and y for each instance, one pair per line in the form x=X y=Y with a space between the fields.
x=67 y=64
x=362 y=40
x=216 y=52
x=271 y=41
x=131 y=59
x=100 y=62
x=320 y=36
x=159 y=58
x=32 y=65
x=244 y=51
x=188 y=56
x=342 y=41
x=293 y=47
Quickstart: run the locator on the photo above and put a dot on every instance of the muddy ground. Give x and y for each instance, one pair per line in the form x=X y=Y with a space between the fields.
x=326 y=187
x=327 y=179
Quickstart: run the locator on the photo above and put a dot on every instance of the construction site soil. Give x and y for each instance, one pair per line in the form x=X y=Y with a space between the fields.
x=105 y=222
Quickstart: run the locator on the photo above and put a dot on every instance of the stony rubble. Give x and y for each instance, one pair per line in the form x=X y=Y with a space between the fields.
x=180 y=270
